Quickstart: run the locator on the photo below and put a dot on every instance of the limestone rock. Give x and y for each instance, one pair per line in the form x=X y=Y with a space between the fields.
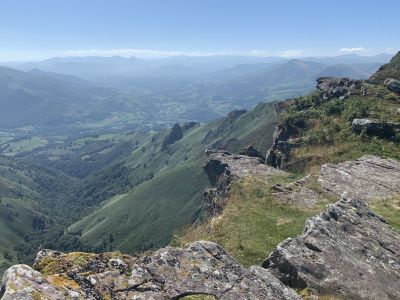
x=249 y=150
x=222 y=169
x=203 y=268
x=21 y=282
x=338 y=87
x=368 y=177
x=279 y=153
x=375 y=127
x=235 y=165
x=392 y=84
x=360 y=125
x=347 y=251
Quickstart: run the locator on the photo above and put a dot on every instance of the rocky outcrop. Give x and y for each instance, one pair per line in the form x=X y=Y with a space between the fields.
x=338 y=87
x=347 y=251
x=368 y=177
x=366 y=125
x=375 y=127
x=222 y=169
x=190 y=125
x=392 y=84
x=175 y=134
x=278 y=155
x=250 y=150
x=24 y=283
x=203 y=268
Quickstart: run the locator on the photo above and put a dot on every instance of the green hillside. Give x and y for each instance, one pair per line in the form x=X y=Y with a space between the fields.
x=46 y=100
x=21 y=216
x=389 y=70
x=172 y=197
x=320 y=131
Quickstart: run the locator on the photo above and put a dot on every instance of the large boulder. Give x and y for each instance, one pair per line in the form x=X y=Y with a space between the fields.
x=347 y=251
x=392 y=84
x=373 y=127
x=368 y=177
x=366 y=125
x=21 y=282
x=203 y=268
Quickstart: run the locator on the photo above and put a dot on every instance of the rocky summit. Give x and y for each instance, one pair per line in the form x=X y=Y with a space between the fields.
x=347 y=251
x=203 y=269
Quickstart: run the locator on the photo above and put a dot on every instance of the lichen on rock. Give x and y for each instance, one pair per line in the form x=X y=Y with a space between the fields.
x=203 y=270
x=347 y=251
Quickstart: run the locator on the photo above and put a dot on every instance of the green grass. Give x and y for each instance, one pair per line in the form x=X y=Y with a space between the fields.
x=16 y=217
x=170 y=183
x=25 y=145
x=324 y=129
x=254 y=221
x=389 y=209
x=147 y=216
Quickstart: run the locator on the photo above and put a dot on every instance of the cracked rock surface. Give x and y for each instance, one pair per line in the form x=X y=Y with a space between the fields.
x=368 y=177
x=347 y=251
x=203 y=268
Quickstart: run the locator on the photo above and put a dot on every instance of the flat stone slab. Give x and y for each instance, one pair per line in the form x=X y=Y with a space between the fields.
x=347 y=251
x=237 y=165
x=223 y=168
x=369 y=177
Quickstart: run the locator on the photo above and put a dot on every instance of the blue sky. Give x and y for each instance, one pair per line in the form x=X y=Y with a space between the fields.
x=35 y=29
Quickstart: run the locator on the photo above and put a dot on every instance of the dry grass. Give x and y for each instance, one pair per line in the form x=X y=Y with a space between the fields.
x=253 y=223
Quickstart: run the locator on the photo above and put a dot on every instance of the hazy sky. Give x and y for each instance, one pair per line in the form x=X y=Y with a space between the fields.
x=34 y=29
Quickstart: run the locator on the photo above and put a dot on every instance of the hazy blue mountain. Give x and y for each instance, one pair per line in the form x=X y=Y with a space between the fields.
x=60 y=77
x=151 y=93
x=352 y=59
x=112 y=69
x=43 y=100
x=358 y=71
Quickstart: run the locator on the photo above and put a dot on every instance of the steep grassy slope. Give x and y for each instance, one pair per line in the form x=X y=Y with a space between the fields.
x=255 y=219
x=391 y=70
x=22 y=216
x=170 y=196
x=323 y=129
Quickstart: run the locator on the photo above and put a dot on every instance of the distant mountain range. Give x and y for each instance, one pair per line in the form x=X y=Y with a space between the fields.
x=42 y=99
x=78 y=91
x=102 y=68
